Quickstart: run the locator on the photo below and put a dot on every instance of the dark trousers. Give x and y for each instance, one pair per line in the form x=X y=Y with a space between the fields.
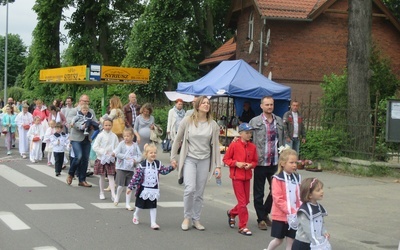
x=262 y=173
x=59 y=160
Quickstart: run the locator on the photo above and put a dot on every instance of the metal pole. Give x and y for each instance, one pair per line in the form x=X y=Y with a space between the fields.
x=5 y=57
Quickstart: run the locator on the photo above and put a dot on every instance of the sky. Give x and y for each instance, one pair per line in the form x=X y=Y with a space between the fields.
x=21 y=20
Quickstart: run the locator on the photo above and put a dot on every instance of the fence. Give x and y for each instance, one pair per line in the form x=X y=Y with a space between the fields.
x=368 y=144
x=364 y=141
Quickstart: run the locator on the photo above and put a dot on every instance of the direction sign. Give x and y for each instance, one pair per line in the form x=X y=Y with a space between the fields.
x=109 y=73
x=65 y=74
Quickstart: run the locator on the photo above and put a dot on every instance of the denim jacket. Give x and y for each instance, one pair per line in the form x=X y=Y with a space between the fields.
x=259 y=136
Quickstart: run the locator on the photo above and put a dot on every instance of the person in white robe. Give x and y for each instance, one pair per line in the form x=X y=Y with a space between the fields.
x=35 y=137
x=24 y=120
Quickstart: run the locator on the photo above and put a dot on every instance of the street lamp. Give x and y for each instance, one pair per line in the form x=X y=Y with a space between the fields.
x=5 y=56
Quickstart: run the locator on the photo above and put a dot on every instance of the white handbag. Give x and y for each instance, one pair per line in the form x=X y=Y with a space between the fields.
x=317 y=243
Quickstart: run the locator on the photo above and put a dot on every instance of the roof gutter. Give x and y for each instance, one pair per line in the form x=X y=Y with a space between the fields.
x=286 y=19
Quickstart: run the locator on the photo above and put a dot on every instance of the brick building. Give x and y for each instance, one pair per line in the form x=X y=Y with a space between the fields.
x=301 y=40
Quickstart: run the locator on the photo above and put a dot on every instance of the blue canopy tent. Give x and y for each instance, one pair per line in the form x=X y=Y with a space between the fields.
x=238 y=79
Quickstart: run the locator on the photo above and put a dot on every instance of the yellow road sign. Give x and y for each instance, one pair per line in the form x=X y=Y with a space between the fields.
x=109 y=73
x=65 y=74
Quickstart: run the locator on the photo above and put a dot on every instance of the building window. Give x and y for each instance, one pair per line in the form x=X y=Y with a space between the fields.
x=251 y=26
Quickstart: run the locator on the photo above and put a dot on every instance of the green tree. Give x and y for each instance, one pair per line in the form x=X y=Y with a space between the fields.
x=45 y=50
x=159 y=42
x=383 y=81
x=208 y=30
x=4 y=2
x=99 y=30
x=16 y=57
x=358 y=78
x=394 y=6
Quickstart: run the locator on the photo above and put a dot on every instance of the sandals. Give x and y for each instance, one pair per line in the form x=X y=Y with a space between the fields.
x=231 y=221
x=245 y=231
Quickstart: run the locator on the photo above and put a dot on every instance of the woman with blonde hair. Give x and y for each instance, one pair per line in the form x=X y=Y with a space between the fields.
x=199 y=136
x=116 y=114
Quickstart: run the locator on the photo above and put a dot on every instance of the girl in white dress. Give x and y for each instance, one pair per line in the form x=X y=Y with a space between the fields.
x=49 y=147
x=147 y=185
x=103 y=146
x=35 y=137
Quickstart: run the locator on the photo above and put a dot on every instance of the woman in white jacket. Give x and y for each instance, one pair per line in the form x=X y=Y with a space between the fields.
x=175 y=116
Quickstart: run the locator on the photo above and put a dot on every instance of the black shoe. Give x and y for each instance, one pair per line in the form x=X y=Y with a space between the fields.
x=180 y=181
x=13 y=145
x=90 y=173
x=57 y=174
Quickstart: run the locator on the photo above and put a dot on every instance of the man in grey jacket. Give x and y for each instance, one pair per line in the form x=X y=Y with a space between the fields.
x=294 y=127
x=267 y=136
x=80 y=145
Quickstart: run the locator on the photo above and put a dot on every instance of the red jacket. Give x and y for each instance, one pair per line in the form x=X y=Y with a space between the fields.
x=240 y=151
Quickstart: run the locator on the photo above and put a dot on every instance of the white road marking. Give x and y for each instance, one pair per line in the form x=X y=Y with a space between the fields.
x=17 y=178
x=50 y=172
x=45 y=248
x=110 y=205
x=170 y=203
x=54 y=206
x=13 y=221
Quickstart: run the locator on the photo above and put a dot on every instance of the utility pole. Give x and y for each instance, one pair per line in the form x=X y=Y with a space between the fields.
x=5 y=56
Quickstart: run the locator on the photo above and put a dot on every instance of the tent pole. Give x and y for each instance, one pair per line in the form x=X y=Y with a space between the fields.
x=226 y=127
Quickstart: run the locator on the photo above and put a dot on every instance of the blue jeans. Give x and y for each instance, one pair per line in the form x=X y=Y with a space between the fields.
x=294 y=144
x=81 y=160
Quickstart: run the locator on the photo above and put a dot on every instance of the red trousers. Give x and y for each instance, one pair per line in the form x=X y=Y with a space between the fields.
x=242 y=193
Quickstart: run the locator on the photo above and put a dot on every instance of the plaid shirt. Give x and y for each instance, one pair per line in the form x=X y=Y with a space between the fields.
x=271 y=142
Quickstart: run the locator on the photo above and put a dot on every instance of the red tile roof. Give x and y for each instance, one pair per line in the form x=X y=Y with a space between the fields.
x=288 y=9
x=226 y=52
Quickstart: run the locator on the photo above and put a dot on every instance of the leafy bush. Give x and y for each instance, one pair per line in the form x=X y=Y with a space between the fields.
x=334 y=101
x=322 y=144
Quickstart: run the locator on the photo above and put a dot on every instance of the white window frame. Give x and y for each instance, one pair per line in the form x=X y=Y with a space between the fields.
x=250 y=33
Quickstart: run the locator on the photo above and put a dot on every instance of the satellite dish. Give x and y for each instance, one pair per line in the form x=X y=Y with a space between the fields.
x=268 y=37
x=251 y=47
x=270 y=75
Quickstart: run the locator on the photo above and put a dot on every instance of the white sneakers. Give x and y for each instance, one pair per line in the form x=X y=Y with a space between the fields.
x=102 y=197
x=135 y=220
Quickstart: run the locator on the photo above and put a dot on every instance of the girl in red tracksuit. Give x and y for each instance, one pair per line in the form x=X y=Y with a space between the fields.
x=241 y=157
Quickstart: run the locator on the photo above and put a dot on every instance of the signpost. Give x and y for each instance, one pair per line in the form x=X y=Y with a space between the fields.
x=95 y=74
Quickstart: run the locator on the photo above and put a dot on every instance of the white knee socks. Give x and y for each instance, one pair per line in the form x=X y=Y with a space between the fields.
x=128 y=200
x=153 y=215
x=119 y=191
x=136 y=213
x=101 y=183
x=111 y=184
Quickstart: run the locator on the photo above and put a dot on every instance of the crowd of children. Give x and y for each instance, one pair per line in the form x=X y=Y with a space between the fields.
x=296 y=214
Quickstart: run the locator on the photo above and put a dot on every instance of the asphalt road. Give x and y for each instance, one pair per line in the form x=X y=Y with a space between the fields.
x=40 y=211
